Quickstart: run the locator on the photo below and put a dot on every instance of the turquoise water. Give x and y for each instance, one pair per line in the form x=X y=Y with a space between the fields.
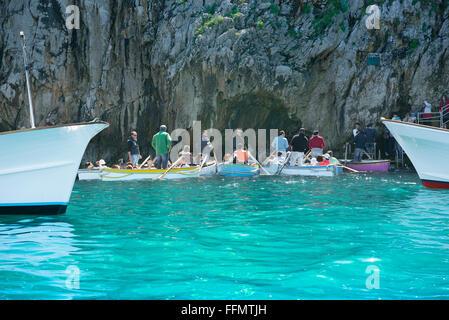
x=224 y=238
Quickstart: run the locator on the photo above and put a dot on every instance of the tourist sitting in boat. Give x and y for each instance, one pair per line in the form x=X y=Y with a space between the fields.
x=90 y=165
x=316 y=144
x=322 y=161
x=332 y=159
x=227 y=157
x=121 y=164
x=314 y=162
x=184 y=159
x=240 y=155
x=148 y=164
x=101 y=164
x=129 y=165
x=280 y=157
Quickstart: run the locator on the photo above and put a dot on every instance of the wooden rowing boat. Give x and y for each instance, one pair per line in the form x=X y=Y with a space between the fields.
x=316 y=171
x=238 y=170
x=143 y=174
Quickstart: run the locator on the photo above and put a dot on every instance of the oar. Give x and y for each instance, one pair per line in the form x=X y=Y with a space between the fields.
x=266 y=160
x=204 y=161
x=255 y=160
x=285 y=163
x=172 y=166
x=307 y=156
x=145 y=161
x=367 y=154
x=350 y=169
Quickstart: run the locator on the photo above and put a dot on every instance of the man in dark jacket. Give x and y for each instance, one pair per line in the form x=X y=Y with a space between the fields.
x=299 y=145
x=371 y=136
x=359 y=144
x=133 y=149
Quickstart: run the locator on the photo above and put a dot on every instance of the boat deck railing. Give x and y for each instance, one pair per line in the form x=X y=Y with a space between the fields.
x=440 y=118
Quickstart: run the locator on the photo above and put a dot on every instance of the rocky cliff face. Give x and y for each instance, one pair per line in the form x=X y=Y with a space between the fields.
x=231 y=63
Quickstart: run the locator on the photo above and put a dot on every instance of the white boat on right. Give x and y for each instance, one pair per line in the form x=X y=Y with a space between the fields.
x=428 y=150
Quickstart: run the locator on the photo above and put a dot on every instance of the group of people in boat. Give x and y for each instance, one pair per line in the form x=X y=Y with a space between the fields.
x=301 y=151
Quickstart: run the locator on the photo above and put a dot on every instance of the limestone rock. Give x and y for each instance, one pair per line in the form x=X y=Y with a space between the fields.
x=250 y=64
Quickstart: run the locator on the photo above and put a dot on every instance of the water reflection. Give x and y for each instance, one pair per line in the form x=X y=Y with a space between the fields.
x=37 y=249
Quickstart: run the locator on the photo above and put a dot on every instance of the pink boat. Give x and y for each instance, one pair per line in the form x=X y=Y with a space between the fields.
x=370 y=165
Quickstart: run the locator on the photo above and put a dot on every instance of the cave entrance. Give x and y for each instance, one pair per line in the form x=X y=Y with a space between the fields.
x=256 y=110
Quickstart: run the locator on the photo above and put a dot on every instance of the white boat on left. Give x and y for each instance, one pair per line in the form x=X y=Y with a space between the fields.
x=46 y=161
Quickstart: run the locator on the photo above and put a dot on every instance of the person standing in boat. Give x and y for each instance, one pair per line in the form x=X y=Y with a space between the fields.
x=238 y=139
x=299 y=145
x=359 y=143
x=161 y=142
x=280 y=143
x=316 y=144
x=133 y=149
x=357 y=127
x=371 y=136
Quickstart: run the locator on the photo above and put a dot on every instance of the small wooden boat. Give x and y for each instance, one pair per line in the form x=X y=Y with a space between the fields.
x=238 y=170
x=142 y=174
x=369 y=165
x=314 y=171
x=89 y=174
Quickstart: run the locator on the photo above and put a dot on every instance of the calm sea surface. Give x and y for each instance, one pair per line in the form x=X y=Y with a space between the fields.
x=350 y=237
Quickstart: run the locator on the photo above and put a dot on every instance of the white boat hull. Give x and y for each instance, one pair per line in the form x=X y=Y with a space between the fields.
x=428 y=150
x=146 y=174
x=209 y=170
x=40 y=175
x=89 y=174
x=312 y=171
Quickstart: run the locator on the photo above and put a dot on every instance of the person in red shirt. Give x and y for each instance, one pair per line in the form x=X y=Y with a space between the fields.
x=316 y=144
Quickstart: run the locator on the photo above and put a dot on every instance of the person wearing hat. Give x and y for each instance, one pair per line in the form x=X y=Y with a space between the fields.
x=101 y=164
x=316 y=144
x=299 y=145
x=322 y=160
x=161 y=143
x=331 y=158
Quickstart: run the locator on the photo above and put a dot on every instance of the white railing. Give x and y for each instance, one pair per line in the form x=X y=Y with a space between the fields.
x=440 y=118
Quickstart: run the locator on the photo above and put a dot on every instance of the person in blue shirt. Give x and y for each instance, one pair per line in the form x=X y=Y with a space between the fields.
x=280 y=143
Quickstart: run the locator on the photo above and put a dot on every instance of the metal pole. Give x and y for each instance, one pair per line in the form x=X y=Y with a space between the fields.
x=25 y=61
